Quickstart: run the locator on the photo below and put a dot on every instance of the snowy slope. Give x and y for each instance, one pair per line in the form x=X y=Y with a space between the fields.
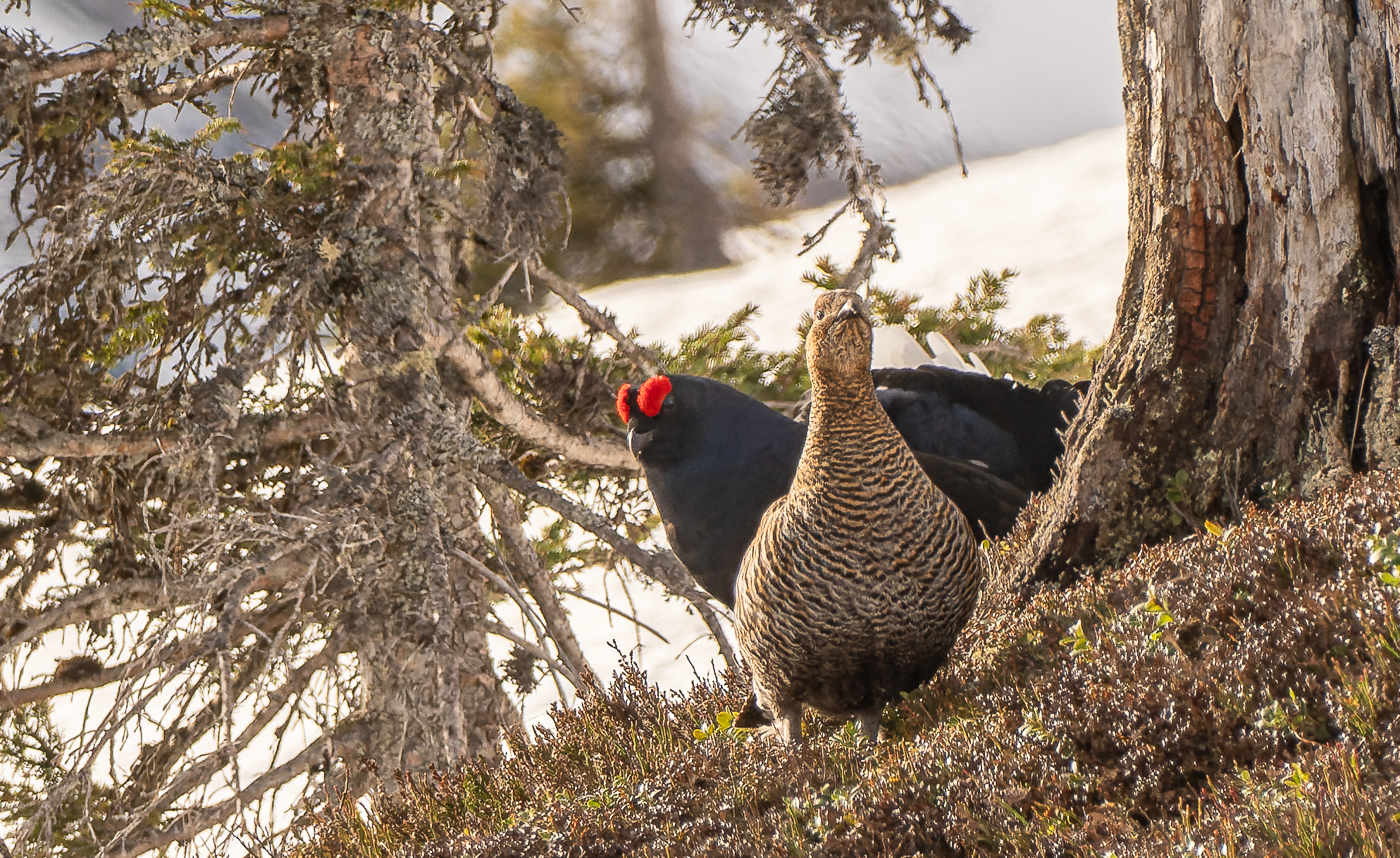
x=1057 y=214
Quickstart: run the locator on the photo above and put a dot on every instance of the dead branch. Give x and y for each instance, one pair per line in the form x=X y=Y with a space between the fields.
x=597 y=320
x=210 y=81
x=257 y=430
x=501 y=630
x=528 y=611
x=97 y=604
x=347 y=742
x=106 y=601
x=631 y=618
x=921 y=74
x=201 y=772
x=480 y=376
x=662 y=567
x=238 y=31
x=521 y=554
x=56 y=687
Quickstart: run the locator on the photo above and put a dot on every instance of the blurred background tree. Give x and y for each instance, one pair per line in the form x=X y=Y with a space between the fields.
x=646 y=193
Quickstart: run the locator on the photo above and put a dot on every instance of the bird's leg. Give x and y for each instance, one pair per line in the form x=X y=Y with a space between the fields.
x=772 y=717
x=787 y=720
x=868 y=720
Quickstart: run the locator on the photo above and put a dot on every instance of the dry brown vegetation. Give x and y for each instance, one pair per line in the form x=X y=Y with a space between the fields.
x=1234 y=692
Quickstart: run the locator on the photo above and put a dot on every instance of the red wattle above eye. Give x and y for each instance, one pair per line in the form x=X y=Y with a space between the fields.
x=653 y=393
x=623 y=410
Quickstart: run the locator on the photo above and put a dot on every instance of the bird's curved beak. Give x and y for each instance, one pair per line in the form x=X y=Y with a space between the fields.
x=637 y=442
x=848 y=310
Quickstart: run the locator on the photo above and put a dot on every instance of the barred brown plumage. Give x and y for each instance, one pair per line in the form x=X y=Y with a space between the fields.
x=861 y=577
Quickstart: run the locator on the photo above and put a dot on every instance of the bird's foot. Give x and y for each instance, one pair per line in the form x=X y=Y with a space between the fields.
x=868 y=722
x=786 y=726
x=753 y=716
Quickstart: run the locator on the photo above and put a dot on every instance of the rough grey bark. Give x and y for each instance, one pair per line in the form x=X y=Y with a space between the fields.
x=1264 y=230
x=430 y=693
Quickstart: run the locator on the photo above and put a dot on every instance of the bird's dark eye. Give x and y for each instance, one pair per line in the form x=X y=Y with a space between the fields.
x=669 y=403
x=819 y=314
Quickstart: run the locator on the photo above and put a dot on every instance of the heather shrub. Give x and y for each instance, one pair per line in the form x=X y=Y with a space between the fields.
x=1235 y=692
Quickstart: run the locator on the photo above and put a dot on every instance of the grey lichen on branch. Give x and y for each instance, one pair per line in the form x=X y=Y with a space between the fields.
x=136 y=45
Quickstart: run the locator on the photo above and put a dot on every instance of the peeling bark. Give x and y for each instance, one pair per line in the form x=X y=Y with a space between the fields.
x=1264 y=195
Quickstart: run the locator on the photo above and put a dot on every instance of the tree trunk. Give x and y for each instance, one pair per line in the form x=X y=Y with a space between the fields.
x=430 y=695
x=1264 y=178
x=691 y=209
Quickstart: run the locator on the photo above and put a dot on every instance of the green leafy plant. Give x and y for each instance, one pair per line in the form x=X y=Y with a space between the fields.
x=722 y=728
x=1385 y=554
x=1075 y=640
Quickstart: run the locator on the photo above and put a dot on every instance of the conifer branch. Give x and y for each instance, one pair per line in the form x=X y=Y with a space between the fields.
x=236 y=31
x=862 y=178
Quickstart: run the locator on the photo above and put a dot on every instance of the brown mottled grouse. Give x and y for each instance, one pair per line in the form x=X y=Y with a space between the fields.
x=861 y=577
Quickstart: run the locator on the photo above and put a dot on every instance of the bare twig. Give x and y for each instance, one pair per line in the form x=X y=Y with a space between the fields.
x=478 y=374
x=527 y=610
x=489 y=299
x=597 y=320
x=527 y=566
x=501 y=630
x=662 y=567
x=344 y=743
x=200 y=773
x=631 y=618
x=919 y=70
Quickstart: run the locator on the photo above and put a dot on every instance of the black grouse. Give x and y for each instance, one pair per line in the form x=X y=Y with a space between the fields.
x=861 y=577
x=1012 y=429
x=716 y=458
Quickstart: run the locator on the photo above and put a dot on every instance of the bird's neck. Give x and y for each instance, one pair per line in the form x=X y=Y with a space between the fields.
x=843 y=400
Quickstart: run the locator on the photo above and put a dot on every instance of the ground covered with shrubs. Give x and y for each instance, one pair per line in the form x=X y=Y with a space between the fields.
x=1232 y=693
